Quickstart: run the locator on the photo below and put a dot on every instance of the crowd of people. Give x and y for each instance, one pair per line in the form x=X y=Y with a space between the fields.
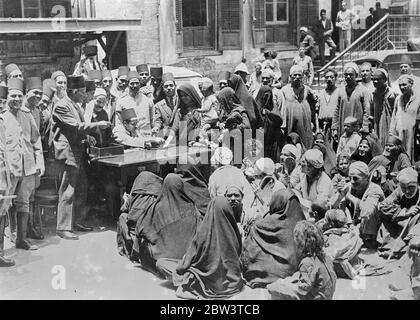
x=321 y=175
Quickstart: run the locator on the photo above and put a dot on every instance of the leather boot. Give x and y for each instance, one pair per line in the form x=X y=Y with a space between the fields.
x=22 y=224
x=3 y=261
x=12 y=224
x=32 y=231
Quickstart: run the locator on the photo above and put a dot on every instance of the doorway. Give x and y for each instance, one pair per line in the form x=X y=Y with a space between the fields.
x=335 y=7
x=199 y=24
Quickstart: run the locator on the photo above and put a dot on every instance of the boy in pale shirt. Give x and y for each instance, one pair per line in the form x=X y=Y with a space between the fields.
x=350 y=140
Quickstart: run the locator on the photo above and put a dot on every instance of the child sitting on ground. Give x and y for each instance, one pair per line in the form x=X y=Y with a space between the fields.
x=315 y=279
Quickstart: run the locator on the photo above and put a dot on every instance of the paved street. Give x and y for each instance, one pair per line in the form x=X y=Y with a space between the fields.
x=94 y=270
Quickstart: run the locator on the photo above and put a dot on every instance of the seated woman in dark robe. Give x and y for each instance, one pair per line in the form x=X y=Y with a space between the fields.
x=144 y=193
x=195 y=186
x=366 y=151
x=211 y=268
x=168 y=225
x=269 y=251
x=398 y=210
x=273 y=136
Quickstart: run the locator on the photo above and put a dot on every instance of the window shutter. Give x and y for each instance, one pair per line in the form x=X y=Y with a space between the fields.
x=231 y=24
x=258 y=23
x=179 y=35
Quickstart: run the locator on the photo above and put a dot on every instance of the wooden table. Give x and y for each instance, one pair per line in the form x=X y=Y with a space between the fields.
x=133 y=161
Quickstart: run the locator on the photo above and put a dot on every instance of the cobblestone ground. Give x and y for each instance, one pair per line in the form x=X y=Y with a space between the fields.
x=94 y=270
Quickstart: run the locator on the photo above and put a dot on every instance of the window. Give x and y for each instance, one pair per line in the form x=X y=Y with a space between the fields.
x=194 y=13
x=276 y=11
x=22 y=8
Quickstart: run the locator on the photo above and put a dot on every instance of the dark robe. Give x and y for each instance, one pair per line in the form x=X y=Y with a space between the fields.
x=247 y=101
x=273 y=136
x=195 y=186
x=144 y=193
x=269 y=251
x=168 y=225
x=211 y=268
x=374 y=151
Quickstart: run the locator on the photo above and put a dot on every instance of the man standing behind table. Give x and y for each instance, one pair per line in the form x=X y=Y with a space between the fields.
x=121 y=82
x=111 y=101
x=324 y=29
x=345 y=18
x=70 y=134
x=136 y=100
x=166 y=109
x=24 y=152
x=145 y=87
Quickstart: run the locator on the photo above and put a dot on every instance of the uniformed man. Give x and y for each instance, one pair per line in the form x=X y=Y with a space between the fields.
x=165 y=109
x=24 y=152
x=111 y=101
x=136 y=100
x=70 y=134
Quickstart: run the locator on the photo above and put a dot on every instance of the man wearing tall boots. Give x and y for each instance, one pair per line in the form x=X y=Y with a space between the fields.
x=4 y=189
x=71 y=134
x=22 y=149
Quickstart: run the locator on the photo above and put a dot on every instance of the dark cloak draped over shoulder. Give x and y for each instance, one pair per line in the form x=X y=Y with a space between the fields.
x=273 y=136
x=144 y=193
x=269 y=251
x=168 y=226
x=195 y=186
x=211 y=267
x=247 y=101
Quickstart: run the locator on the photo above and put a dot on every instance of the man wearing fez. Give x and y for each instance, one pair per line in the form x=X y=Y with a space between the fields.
x=111 y=101
x=136 y=100
x=156 y=81
x=60 y=80
x=90 y=91
x=145 y=87
x=31 y=103
x=127 y=134
x=95 y=75
x=13 y=71
x=88 y=61
x=122 y=83
x=165 y=109
x=45 y=106
x=23 y=149
x=70 y=134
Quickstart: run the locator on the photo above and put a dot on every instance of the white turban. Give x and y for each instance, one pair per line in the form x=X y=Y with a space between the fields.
x=266 y=165
x=291 y=149
x=407 y=175
x=223 y=156
x=315 y=158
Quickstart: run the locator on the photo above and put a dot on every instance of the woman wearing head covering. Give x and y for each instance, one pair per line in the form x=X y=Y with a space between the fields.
x=187 y=121
x=383 y=105
x=144 y=193
x=232 y=114
x=400 y=208
x=294 y=139
x=361 y=198
x=325 y=147
x=269 y=251
x=246 y=100
x=211 y=267
x=168 y=225
x=353 y=101
x=298 y=107
x=365 y=150
x=273 y=136
x=195 y=186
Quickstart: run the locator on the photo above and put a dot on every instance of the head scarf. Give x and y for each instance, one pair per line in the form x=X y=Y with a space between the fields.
x=196 y=186
x=353 y=66
x=242 y=68
x=382 y=72
x=407 y=175
x=264 y=98
x=228 y=100
x=296 y=69
x=269 y=251
x=359 y=167
x=266 y=165
x=291 y=149
x=211 y=267
x=206 y=84
x=267 y=73
x=304 y=29
x=247 y=101
x=315 y=158
x=406 y=76
x=99 y=92
x=188 y=89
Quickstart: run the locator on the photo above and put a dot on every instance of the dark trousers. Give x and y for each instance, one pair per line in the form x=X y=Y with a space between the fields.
x=331 y=44
x=71 y=197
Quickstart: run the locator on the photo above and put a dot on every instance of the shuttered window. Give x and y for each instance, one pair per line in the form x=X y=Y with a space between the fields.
x=231 y=19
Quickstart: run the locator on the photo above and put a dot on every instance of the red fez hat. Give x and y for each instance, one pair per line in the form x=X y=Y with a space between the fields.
x=106 y=74
x=76 y=82
x=128 y=114
x=15 y=84
x=141 y=68
x=123 y=71
x=168 y=77
x=33 y=83
x=91 y=51
x=95 y=75
x=48 y=88
x=10 y=68
x=156 y=72
x=133 y=75
x=3 y=92
x=90 y=85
